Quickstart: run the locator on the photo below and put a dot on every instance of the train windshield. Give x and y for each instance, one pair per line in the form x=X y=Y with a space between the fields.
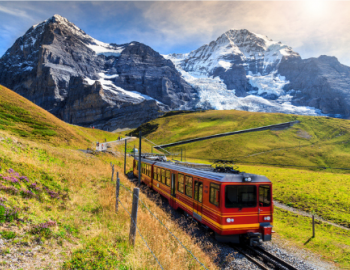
x=240 y=196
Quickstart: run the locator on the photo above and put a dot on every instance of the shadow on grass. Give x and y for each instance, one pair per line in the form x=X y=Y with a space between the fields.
x=308 y=240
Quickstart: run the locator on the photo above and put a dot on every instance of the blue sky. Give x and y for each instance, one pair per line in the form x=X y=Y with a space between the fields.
x=311 y=28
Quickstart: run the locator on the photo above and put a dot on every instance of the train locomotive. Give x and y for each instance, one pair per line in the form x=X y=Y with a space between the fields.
x=238 y=207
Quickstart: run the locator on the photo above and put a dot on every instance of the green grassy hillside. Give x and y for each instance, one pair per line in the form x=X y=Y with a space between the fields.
x=316 y=141
x=57 y=204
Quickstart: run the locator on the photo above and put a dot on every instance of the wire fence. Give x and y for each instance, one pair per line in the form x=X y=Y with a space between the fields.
x=137 y=228
x=177 y=239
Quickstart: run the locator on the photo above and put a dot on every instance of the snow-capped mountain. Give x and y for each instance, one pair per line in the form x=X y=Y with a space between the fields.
x=247 y=71
x=88 y=82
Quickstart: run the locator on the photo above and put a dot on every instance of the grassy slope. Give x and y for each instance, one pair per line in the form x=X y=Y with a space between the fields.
x=74 y=190
x=328 y=146
x=325 y=192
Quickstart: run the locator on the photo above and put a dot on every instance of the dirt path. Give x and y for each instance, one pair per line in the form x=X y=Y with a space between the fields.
x=306 y=214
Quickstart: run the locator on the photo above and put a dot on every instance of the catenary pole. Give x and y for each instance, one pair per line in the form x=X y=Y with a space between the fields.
x=140 y=136
x=125 y=157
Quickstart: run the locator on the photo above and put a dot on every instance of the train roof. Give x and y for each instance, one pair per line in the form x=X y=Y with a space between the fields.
x=220 y=177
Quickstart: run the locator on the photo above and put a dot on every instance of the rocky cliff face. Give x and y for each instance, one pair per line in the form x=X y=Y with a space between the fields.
x=87 y=82
x=320 y=82
x=247 y=71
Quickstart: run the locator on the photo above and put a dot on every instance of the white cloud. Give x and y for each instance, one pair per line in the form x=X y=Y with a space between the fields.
x=15 y=12
x=310 y=31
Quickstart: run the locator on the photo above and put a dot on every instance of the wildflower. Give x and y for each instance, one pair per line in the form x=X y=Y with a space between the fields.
x=14 y=180
x=11 y=189
x=11 y=170
x=27 y=193
x=24 y=178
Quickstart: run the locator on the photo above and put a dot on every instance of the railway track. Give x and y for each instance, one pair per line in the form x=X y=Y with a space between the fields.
x=264 y=259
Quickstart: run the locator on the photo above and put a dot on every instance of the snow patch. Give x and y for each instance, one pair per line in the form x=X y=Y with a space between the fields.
x=105 y=49
x=108 y=85
x=271 y=84
x=225 y=65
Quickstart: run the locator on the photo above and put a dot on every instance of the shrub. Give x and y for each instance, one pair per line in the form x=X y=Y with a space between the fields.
x=8 y=214
x=10 y=190
x=8 y=235
x=43 y=229
x=94 y=256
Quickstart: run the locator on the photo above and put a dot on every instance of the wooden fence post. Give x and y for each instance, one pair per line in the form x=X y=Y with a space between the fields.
x=135 y=206
x=117 y=188
x=112 y=165
x=313 y=226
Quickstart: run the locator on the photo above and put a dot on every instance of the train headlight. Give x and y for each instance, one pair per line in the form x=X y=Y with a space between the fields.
x=229 y=220
x=267 y=218
x=247 y=179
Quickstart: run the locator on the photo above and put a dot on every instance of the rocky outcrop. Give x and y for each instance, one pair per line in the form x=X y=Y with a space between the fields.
x=320 y=82
x=87 y=82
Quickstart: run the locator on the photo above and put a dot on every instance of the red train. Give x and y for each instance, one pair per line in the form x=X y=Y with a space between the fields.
x=237 y=207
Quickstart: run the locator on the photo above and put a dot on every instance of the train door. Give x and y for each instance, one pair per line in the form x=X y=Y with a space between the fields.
x=173 y=191
x=265 y=203
x=198 y=200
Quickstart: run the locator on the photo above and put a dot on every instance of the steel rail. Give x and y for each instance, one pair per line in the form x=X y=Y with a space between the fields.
x=267 y=257
x=251 y=258
x=273 y=257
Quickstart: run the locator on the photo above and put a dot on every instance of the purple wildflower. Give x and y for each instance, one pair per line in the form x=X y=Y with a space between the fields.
x=14 y=180
x=53 y=194
x=27 y=193
x=24 y=178
x=11 y=170
x=11 y=190
x=43 y=226
x=2 y=199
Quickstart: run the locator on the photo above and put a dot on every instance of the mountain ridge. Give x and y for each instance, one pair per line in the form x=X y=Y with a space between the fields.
x=110 y=86
x=55 y=57
x=248 y=71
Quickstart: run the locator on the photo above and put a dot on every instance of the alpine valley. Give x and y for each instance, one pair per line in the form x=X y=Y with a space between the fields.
x=86 y=82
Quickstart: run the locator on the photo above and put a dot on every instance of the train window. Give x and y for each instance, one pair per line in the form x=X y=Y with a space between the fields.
x=163 y=176
x=264 y=195
x=158 y=174
x=188 y=186
x=240 y=196
x=180 y=179
x=155 y=173
x=167 y=178
x=198 y=191
x=214 y=196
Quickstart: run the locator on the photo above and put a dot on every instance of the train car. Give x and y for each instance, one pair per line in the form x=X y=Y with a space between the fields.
x=237 y=207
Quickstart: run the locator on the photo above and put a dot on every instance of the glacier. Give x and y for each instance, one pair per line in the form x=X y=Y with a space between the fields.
x=257 y=56
x=213 y=93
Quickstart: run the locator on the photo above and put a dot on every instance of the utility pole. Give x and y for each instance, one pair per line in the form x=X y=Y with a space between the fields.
x=125 y=157
x=140 y=136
